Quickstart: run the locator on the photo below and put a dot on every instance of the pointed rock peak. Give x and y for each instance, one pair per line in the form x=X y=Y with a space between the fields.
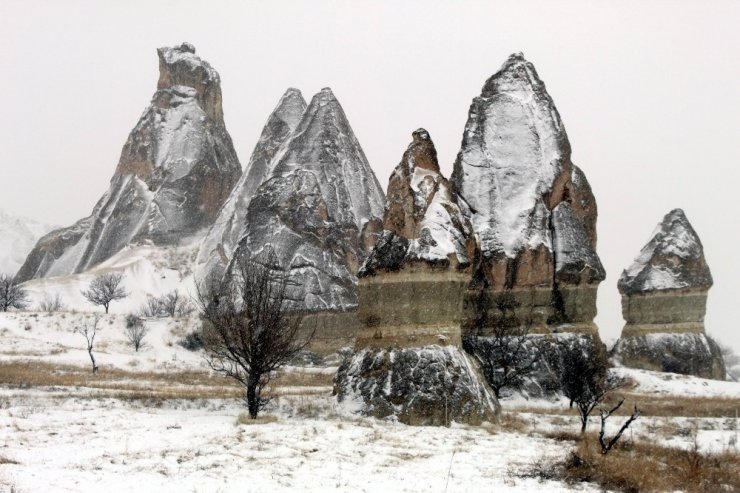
x=673 y=258
x=180 y=66
x=290 y=108
x=421 y=153
x=517 y=73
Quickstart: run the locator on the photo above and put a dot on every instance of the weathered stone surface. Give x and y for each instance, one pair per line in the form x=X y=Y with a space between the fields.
x=176 y=169
x=318 y=208
x=664 y=299
x=421 y=213
x=685 y=353
x=530 y=206
x=223 y=237
x=418 y=386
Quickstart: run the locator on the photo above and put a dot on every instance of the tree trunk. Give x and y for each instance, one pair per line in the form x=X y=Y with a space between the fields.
x=92 y=358
x=106 y=309
x=252 y=397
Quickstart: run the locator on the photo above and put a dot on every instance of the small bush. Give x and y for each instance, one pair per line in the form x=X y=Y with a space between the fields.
x=135 y=331
x=51 y=303
x=192 y=341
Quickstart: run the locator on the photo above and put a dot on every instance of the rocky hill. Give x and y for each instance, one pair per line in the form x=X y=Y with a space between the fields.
x=176 y=169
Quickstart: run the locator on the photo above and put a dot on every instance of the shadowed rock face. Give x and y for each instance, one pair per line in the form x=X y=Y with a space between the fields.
x=176 y=169
x=223 y=237
x=320 y=208
x=664 y=296
x=530 y=206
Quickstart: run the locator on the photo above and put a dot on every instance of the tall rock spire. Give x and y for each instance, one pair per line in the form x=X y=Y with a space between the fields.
x=176 y=169
x=531 y=208
x=223 y=237
x=319 y=208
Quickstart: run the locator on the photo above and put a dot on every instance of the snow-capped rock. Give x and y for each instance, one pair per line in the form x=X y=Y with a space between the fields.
x=422 y=213
x=223 y=237
x=18 y=235
x=176 y=169
x=514 y=163
x=673 y=258
x=532 y=210
x=664 y=300
x=320 y=208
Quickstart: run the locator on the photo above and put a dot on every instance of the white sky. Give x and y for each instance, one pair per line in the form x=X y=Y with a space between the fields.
x=649 y=93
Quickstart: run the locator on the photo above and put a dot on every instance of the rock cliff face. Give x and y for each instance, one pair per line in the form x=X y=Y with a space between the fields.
x=664 y=297
x=222 y=239
x=176 y=169
x=320 y=208
x=530 y=207
x=18 y=235
x=409 y=362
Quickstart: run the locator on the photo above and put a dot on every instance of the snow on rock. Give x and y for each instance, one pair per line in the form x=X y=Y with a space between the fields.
x=176 y=169
x=421 y=211
x=18 y=235
x=514 y=160
x=319 y=208
x=676 y=385
x=223 y=237
x=575 y=258
x=673 y=258
x=432 y=385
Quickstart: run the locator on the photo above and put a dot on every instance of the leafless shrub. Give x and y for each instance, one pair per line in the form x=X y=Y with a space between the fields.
x=105 y=289
x=606 y=445
x=12 y=295
x=51 y=303
x=249 y=330
x=135 y=331
x=171 y=304
x=89 y=329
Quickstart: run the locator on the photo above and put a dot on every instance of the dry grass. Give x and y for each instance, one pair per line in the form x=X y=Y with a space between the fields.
x=244 y=419
x=641 y=466
x=141 y=385
x=652 y=405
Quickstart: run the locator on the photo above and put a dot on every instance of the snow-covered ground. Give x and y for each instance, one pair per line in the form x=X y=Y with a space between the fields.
x=103 y=433
x=18 y=236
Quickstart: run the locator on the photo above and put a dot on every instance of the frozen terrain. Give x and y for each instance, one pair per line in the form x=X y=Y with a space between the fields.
x=18 y=235
x=157 y=420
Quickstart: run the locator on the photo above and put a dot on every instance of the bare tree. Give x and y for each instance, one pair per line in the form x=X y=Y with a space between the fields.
x=606 y=445
x=175 y=305
x=89 y=329
x=104 y=289
x=583 y=379
x=135 y=331
x=51 y=303
x=508 y=353
x=12 y=295
x=249 y=328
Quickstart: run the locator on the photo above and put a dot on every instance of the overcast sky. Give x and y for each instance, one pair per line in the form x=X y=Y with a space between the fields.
x=649 y=93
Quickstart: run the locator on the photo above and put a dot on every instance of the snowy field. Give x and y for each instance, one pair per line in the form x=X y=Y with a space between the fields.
x=158 y=420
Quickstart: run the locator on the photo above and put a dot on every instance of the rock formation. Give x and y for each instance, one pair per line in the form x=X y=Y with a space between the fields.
x=319 y=207
x=222 y=239
x=18 y=235
x=176 y=169
x=408 y=361
x=530 y=207
x=664 y=298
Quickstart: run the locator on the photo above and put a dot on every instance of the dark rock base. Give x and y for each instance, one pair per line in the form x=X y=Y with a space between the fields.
x=432 y=385
x=684 y=353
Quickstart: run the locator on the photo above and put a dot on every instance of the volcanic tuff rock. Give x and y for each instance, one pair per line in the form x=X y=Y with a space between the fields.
x=664 y=299
x=176 y=169
x=222 y=239
x=419 y=386
x=512 y=172
x=320 y=208
x=409 y=361
x=422 y=214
